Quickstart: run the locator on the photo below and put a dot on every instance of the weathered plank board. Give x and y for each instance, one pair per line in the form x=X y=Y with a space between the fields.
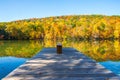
x=71 y=65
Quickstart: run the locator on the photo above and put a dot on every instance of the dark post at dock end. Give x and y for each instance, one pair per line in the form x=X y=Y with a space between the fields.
x=59 y=48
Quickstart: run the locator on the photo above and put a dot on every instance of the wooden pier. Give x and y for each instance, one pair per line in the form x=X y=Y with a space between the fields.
x=70 y=65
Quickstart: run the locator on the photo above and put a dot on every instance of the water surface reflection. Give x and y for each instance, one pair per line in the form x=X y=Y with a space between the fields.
x=105 y=52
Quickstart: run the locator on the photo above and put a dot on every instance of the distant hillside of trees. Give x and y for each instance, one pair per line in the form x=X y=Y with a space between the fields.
x=72 y=26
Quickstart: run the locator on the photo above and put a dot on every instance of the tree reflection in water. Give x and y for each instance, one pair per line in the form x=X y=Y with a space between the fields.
x=97 y=50
x=105 y=52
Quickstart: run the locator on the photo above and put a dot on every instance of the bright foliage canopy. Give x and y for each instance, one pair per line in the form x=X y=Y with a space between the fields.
x=74 y=26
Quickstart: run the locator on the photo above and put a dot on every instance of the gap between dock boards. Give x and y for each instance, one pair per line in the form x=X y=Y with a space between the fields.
x=70 y=65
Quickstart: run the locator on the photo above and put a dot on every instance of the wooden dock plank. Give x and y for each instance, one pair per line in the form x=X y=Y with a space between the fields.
x=71 y=65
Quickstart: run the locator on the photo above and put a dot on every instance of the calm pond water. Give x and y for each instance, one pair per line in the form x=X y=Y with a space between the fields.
x=15 y=53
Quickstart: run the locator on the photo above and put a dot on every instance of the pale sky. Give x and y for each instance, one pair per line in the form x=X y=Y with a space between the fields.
x=11 y=10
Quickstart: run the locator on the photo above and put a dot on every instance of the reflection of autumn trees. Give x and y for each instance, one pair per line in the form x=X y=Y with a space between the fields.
x=98 y=50
x=84 y=26
x=20 y=48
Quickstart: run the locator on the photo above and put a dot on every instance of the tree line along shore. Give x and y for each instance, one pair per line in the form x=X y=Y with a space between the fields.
x=63 y=27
